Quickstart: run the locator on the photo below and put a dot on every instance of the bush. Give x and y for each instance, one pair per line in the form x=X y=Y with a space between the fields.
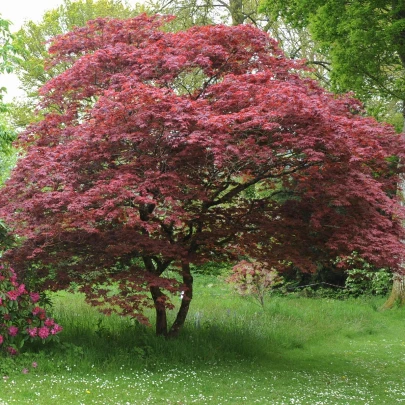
x=254 y=279
x=363 y=278
x=21 y=317
x=365 y=282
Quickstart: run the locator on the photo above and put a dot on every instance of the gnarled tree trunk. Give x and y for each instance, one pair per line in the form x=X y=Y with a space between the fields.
x=159 y=301
x=185 y=301
x=160 y=308
x=397 y=296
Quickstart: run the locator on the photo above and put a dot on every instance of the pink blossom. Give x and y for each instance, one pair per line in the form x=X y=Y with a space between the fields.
x=12 y=351
x=56 y=329
x=34 y=297
x=1 y=339
x=13 y=295
x=12 y=330
x=34 y=364
x=32 y=331
x=49 y=322
x=25 y=371
x=21 y=289
x=40 y=312
x=13 y=278
x=36 y=310
x=1 y=301
x=43 y=332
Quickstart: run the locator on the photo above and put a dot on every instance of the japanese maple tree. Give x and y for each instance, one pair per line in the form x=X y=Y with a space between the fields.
x=166 y=149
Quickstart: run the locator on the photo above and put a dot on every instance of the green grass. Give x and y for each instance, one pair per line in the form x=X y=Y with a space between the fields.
x=297 y=351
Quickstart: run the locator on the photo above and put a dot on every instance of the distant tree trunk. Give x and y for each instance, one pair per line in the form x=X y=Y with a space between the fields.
x=397 y=296
x=236 y=10
x=185 y=301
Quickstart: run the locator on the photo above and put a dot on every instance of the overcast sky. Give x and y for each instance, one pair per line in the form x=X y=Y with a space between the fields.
x=19 y=11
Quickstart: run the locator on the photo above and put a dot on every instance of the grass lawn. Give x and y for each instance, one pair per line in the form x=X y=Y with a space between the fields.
x=297 y=351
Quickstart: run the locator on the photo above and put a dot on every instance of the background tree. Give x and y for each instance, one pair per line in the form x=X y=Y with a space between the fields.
x=7 y=135
x=8 y=155
x=366 y=44
x=157 y=138
x=295 y=41
x=364 y=41
x=204 y=12
x=6 y=49
x=31 y=40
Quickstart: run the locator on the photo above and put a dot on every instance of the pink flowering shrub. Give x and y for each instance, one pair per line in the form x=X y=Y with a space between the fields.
x=21 y=317
x=254 y=279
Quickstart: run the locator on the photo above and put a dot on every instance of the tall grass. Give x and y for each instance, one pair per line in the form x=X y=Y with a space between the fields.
x=294 y=351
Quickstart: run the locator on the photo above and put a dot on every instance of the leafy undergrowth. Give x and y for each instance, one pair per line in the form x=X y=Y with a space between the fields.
x=296 y=351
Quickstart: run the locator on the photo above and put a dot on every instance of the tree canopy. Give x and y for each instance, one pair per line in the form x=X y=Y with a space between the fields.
x=364 y=41
x=158 y=137
x=294 y=40
x=7 y=135
x=6 y=49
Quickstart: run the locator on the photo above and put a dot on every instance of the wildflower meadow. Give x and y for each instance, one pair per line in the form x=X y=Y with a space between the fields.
x=294 y=350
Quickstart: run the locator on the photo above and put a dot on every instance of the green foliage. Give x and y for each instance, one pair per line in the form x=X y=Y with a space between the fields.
x=7 y=51
x=6 y=48
x=363 y=278
x=7 y=240
x=31 y=45
x=348 y=277
x=8 y=154
x=211 y=268
x=363 y=41
x=7 y=137
x=363 y=282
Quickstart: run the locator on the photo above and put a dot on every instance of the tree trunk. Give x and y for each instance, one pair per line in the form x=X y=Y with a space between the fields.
x=160 y=308
x=397 y=296
x=185 y=301
x=236 y=10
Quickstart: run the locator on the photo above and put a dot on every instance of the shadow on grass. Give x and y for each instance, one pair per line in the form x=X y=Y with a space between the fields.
x=291 y=335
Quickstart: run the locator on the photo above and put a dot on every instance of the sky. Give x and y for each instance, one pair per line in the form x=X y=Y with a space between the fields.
x=18 y=11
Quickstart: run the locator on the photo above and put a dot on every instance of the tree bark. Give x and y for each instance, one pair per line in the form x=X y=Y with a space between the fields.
x=236 y=10
x=185 y=301
x=160 y=308
x=397 y=296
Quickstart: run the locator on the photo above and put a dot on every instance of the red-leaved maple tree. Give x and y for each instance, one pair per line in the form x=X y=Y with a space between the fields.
x=165 y=149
